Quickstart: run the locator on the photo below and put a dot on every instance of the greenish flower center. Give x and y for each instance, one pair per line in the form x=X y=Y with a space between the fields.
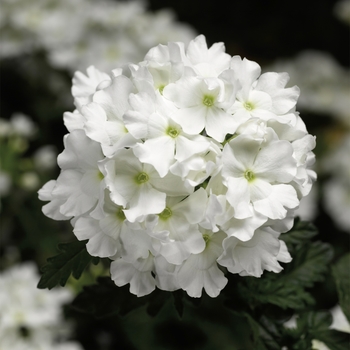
x=248 y=106
x=100 y=176
x=141 y=178
x=161 y=88
x=166 y=214
x=206 y=238
x=172 y=132
x=120 y=214
x=249 y=175
x=208 y=100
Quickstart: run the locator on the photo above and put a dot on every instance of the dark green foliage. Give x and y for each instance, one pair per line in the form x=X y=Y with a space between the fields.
x=287 y=289
x=263 y=304
x=341 y=274
x=301 y=232
x=105 y=299
x=72 y=259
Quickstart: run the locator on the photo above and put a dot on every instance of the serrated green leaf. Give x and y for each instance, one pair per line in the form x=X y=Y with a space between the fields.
x=287 y=289
x=263 y=334
x=282 y=294
x=72 y=259
x=315 y=321
x=335 y=340
x=340 y=273
x=309 y=265
x=315 y=325
x=288 y=296
x=301 y=233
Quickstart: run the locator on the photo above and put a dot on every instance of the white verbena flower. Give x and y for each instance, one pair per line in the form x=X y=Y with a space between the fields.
x=183 y=167
x=31 y=318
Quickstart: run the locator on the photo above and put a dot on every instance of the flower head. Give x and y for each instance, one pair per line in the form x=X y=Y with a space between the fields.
x=179 y=164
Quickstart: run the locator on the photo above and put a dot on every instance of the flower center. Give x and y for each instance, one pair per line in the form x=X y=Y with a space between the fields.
x=100 y=176
x=208 y=100
x=120 y=214
x=141 y=178
x=248 y=106
x=161 y=88
x=172 y=132
x=166 y=214
x=249 y=175
x=206 y=238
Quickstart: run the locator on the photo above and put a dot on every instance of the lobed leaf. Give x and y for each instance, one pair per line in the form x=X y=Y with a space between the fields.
x=301 y=233
x=72 y=260
x=340 y=273
x=309 y=265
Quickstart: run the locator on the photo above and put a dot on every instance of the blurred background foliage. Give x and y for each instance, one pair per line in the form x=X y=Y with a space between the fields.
x=310 y=39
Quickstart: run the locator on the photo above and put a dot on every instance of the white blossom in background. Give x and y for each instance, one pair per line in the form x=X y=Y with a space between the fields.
x=342 y=11
x=45 y=157
x=324 y=83
x=19 y=124
x=32 y=318
x=307 y=210
x=183 y=167
x=336 y=196
x=103 y=33
x=17 y=168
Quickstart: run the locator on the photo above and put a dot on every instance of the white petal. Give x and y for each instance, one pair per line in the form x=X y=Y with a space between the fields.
x=191 y=119
x=158 y=152
x=238 y=195
x=219 y=123
x=146 y=200
x=274 y=206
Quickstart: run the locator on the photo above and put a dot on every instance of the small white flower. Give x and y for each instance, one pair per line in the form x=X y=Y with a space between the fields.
x=31 y=318
x=251 y=258
x=201 y=270
x=199 y=102
x=259 y=173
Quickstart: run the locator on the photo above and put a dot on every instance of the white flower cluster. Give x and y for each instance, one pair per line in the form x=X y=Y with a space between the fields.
x=31 y=318
x=185 y=162
x=77 y=33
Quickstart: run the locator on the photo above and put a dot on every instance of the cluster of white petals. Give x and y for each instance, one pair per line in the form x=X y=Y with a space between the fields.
x=181 y=167
x=32 y=318
x=78 y=33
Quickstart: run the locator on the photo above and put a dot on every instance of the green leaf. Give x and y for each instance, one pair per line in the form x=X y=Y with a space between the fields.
x=273 y=291
x=178 y=302
x=315 y=321
x=301 y=233
x=309 y=265
x=340 y=273
x=287 y=289
x=315 y=325
x=157 y=299
x=335 y=340
x=105 y=299
x=72 y=259
x=264 y=334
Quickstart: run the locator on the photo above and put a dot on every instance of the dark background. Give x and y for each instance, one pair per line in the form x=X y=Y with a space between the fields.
x=261 y=30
